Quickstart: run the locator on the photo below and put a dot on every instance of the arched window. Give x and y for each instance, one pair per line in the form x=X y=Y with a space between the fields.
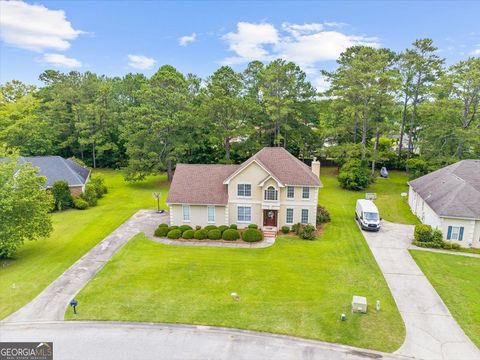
x=271 y=193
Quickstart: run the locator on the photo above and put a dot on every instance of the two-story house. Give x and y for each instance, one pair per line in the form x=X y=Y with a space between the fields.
x=271 y=189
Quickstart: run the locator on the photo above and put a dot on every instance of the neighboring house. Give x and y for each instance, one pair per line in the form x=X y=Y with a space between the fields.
x=272 y=188
x=57 y=168
x=449 y=199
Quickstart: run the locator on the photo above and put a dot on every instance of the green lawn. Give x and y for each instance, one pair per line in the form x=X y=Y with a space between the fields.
x=38 y=263
x=456 y=278
x=295 y=287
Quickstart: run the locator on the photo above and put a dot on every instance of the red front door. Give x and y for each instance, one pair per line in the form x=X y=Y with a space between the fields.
x=270 y=218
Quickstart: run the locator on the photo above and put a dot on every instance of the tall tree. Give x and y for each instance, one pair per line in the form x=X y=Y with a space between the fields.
x=421 y=68
x=223 y=106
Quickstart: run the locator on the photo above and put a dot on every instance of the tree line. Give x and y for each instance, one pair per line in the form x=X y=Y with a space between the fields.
x=381 y=106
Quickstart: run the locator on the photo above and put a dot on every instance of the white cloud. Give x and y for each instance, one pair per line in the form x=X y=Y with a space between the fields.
x=140 y=62
x=305 y=44
x=249 y=41
x=185 y=40
x=61 y=61
x=476 y=52
x=35 y=27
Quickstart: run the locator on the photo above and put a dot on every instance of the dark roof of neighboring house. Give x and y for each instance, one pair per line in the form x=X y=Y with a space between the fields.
x=200 y=184
x=204 y=184
x=285 y=167
x=57 y=168
x=453 y=190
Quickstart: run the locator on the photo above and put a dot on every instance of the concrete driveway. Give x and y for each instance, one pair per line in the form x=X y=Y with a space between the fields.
x=432 y=332
x=52 y=302
x=80 y=340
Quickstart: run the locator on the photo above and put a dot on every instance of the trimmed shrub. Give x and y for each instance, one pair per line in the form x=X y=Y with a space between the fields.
x=79 y=203
x=222 y=228
x=62 y=198
x=200 y=234
x=423 y=233
x=184 y=228
x=188 y=234
x=99 y=186
x=285 y=229
x=451 y=245
x=428 y=244
x=161 y=231
x=308 y=232
x=210 y=227
x=90 y=195
x=231 y=234
x=253 y=226
x=163 y=225
x=323 y=215
x=354 y=175
x=173 y=227
x=214 y=234
x=198 y=227
x=233 y=226
x=297 y=228
x=252 y=235
x=174 y=234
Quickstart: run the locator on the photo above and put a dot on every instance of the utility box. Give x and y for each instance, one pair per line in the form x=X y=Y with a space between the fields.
x=359 y=304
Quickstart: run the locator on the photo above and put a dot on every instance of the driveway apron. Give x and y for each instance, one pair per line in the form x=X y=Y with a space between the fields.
x=432 y=332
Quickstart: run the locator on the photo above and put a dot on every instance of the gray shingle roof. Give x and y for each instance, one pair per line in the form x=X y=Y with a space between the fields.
x=57 y=168
x=453 y=190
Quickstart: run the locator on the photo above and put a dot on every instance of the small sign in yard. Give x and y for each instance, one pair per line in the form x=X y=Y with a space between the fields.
x=370 y=196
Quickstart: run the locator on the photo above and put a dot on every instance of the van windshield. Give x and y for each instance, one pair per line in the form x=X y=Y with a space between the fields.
x=370 y=216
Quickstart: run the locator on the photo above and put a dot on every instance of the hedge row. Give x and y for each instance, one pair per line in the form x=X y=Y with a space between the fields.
x=212 y=232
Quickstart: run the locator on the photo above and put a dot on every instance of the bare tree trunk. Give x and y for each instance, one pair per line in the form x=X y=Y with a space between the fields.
x=94 y=158
x=402 y=127
x=169 y=170
x=355 y=127
x=375 y=148
x=414 y=114
x=227 y=148
x=364 y=133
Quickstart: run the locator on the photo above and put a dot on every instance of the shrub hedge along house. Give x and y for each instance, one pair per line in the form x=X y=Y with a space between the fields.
x=272 y=188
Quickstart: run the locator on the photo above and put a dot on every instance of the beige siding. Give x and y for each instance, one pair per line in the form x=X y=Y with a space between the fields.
x=198 y=215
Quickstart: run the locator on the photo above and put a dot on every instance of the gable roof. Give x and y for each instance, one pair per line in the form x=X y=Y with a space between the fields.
x=57 y=168
x=282 y=166
x=200 y=184
x=453 y=190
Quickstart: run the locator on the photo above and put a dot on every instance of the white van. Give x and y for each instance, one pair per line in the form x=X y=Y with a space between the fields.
x=367 y=215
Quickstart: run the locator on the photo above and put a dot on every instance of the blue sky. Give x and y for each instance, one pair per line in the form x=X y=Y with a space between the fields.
x=114 y=38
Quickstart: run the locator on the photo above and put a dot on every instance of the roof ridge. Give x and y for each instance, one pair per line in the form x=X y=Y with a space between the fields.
x=77 y=175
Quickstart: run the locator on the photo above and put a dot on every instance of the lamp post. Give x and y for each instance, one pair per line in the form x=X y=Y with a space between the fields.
x=157 y=195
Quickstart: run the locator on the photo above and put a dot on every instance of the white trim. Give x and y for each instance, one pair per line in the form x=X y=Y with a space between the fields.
x=268 y=178
x=188 y=213
x=301 y=216
x=194 y=204
x=303 y=188
x=244 y=166
x=214 y=214
x=244 y=196
x=286 y=216
x=286 y=193
x=243 y=221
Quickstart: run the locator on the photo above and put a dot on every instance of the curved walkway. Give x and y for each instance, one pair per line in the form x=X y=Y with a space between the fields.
x=432 y=332
x=214 y=243
x=51 y=303
x=78 y=340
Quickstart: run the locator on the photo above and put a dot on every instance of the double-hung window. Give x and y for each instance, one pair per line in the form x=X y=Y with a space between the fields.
x=211 y=214
x=455 y=233
x=290 y=192
x=271 y=193
x=244 y=214
x=304 y=218
x=289 y=217
x=244 y=190
x=305 y=192
x=186 y=213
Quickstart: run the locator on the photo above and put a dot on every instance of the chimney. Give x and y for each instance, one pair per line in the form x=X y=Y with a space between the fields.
x=316 y=167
